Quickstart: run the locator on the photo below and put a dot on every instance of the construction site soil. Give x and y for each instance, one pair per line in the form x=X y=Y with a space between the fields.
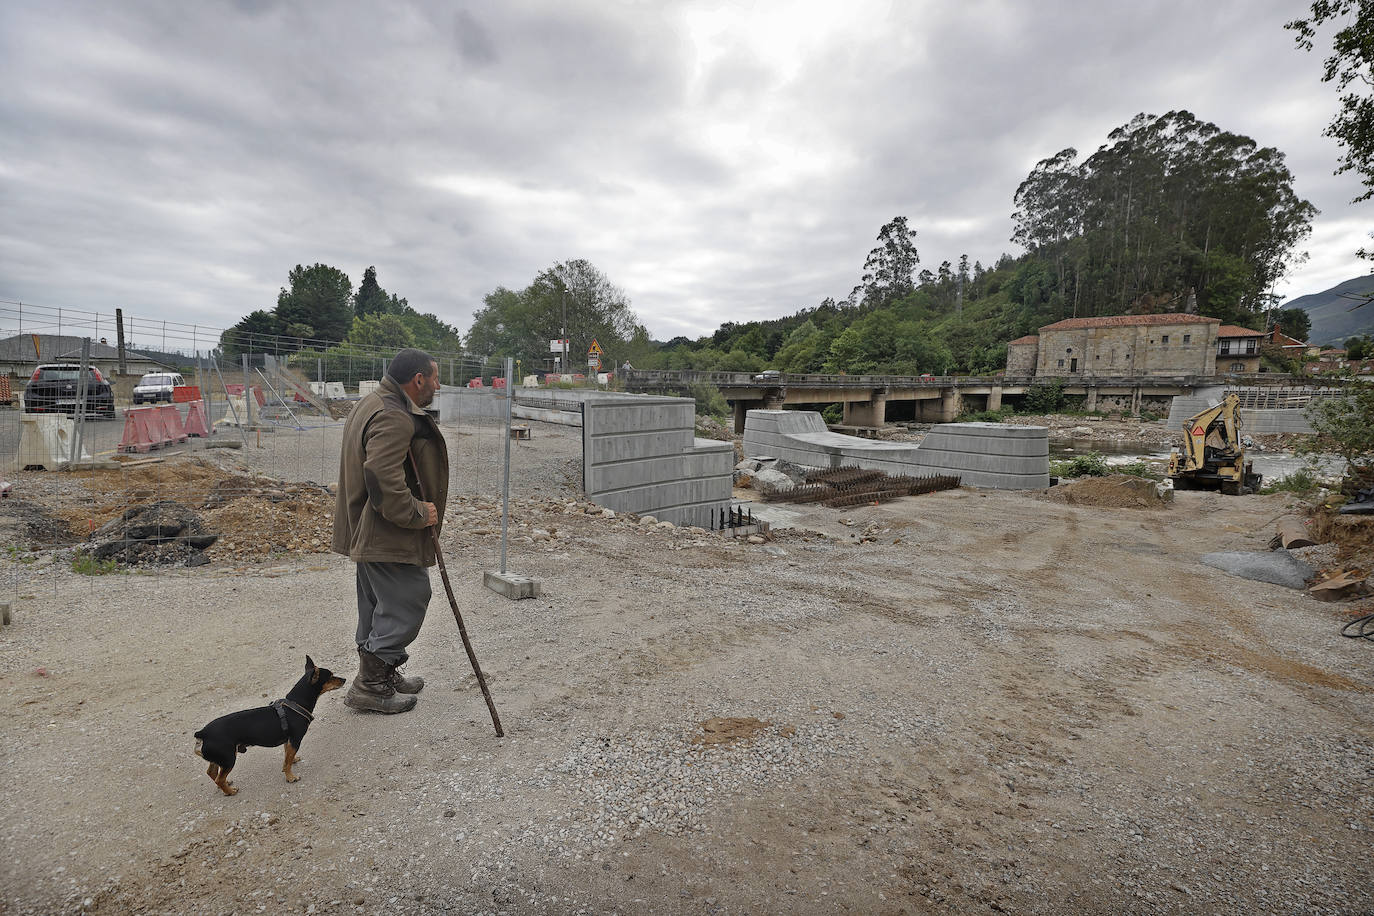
x=967 y=701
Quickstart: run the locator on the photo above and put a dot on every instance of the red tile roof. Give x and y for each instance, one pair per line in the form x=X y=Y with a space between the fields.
x=1028 y=339
x=1117 y=321
x=1232 y=330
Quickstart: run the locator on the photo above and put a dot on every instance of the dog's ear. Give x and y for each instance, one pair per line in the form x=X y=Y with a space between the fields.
x=310 y=664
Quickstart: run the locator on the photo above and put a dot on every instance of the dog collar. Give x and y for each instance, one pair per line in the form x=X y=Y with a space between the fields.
x=282 y=705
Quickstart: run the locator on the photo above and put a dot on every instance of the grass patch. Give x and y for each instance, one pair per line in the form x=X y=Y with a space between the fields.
x=1139 y=469
x=87 y=565
x=1301 y=482
x=1088 y=464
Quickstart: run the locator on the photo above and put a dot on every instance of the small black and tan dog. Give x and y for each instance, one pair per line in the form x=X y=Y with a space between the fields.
x=282 y=722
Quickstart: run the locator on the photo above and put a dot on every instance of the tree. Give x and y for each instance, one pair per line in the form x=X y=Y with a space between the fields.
x=1345 y=425
x=890 y=268
x=1296 y=323
x=1351 y=62
x=1355 y=348
x=255 y=332
x=380 y=332
x=1169 y=204
x=370 y=299
x=521 y=324
x=320 y=298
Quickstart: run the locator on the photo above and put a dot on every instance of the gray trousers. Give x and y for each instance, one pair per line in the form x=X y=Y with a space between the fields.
x=392 y=598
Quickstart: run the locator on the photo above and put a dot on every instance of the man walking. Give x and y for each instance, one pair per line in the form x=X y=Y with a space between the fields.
x=393 y=454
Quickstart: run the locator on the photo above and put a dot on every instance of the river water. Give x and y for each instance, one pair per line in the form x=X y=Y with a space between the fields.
x=1273 y=465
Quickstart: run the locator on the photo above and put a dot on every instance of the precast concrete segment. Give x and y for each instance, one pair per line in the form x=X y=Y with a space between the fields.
x=640 y=455
x=992 y=455
x=1253 y=421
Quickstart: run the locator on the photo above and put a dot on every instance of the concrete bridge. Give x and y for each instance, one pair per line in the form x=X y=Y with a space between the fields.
x=930 y=398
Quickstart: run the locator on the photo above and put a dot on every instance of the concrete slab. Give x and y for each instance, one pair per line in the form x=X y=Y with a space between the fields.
x=992 y=455
x=510 y=585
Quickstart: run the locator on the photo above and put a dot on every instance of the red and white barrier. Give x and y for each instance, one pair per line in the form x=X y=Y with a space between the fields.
x=196 y=423
x=142 y=430
x=170 y=419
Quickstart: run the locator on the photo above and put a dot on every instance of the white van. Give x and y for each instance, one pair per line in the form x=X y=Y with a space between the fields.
x=157 y=386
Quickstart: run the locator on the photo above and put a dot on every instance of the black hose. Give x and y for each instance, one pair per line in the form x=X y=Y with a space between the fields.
x=1365 y=627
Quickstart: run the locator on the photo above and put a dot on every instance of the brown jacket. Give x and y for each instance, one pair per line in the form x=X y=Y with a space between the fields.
x=377 y=515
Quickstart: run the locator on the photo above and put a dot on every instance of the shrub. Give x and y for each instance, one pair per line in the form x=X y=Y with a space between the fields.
x=710 y=402
x=833 y=414
x=1045 y=398
x=87 y=565
x=986 y=416
x=1089 y=464
x=1139 y=469
x=1301 y=482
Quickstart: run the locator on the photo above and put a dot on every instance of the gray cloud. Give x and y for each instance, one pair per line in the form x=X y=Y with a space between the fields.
x=716 y=163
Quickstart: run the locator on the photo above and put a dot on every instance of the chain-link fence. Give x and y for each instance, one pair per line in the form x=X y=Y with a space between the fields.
x=177 y=445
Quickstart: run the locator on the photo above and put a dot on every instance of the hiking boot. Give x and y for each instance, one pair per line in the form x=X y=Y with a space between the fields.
x=402 y=684
x=372 y=689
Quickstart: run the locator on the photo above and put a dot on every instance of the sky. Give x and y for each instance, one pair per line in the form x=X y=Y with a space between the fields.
x=717 y=161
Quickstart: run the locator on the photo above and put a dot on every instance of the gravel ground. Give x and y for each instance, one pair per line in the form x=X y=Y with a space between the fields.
x=968 y=701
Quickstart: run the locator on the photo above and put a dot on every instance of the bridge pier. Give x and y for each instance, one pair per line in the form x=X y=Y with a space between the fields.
x=772 y=400
x=1091 y=403
x=951 y=404
x=1135 y=401
x=866 y=413
x=995 y=398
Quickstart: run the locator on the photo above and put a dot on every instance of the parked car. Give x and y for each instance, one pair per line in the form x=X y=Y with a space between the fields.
x=52 y=387
x=157 y=386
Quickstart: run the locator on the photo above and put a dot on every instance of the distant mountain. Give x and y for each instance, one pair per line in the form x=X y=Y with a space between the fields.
x=1334 y=318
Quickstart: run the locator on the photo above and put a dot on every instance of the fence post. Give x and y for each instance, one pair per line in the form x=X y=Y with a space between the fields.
x=505 y=483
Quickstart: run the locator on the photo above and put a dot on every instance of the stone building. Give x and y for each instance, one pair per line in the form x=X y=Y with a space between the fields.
x=1119 y=346
x=1238 y=349
x=1021 y=355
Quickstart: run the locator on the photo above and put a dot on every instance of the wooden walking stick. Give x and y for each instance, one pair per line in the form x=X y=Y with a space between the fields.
x=453 y=603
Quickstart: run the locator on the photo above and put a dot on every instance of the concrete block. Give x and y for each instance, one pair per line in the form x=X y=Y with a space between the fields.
x=982 y=454
x=510 y=585
x=45 y=441
x=640 y=455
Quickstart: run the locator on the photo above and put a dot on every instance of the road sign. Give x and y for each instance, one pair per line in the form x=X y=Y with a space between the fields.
x=595 y=348
x=558 y=346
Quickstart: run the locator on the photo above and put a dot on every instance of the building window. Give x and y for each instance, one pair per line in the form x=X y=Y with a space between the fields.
x=1238 y=367
x=1164 y=340
x=1061 y=364
x=1249 y=348
x=1187 y=338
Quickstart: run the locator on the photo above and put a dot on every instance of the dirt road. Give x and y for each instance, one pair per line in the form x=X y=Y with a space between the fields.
x=967 y=701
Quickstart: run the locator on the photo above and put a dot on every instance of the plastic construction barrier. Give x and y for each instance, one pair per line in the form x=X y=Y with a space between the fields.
x=237 y=391
x=46 y=442
x=196 y=423
x=142 y=430
x=183 y=394
x=169 y=416
x=476 y=383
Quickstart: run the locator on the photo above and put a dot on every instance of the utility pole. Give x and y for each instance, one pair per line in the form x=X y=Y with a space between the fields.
x=563 y=338
x=119 y=337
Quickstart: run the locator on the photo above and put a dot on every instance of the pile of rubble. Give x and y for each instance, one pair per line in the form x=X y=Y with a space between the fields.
x=262 y=516
x=164 y=533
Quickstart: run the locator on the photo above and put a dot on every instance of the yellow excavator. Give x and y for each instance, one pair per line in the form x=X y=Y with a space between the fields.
x=1213 y=457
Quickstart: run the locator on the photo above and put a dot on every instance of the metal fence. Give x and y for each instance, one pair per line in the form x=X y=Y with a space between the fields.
x=235 y=469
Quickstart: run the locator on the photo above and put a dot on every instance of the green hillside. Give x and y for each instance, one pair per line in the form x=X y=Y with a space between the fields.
x=1336 y=313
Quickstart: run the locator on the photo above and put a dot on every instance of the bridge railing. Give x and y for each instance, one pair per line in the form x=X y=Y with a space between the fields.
x=769 y=379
